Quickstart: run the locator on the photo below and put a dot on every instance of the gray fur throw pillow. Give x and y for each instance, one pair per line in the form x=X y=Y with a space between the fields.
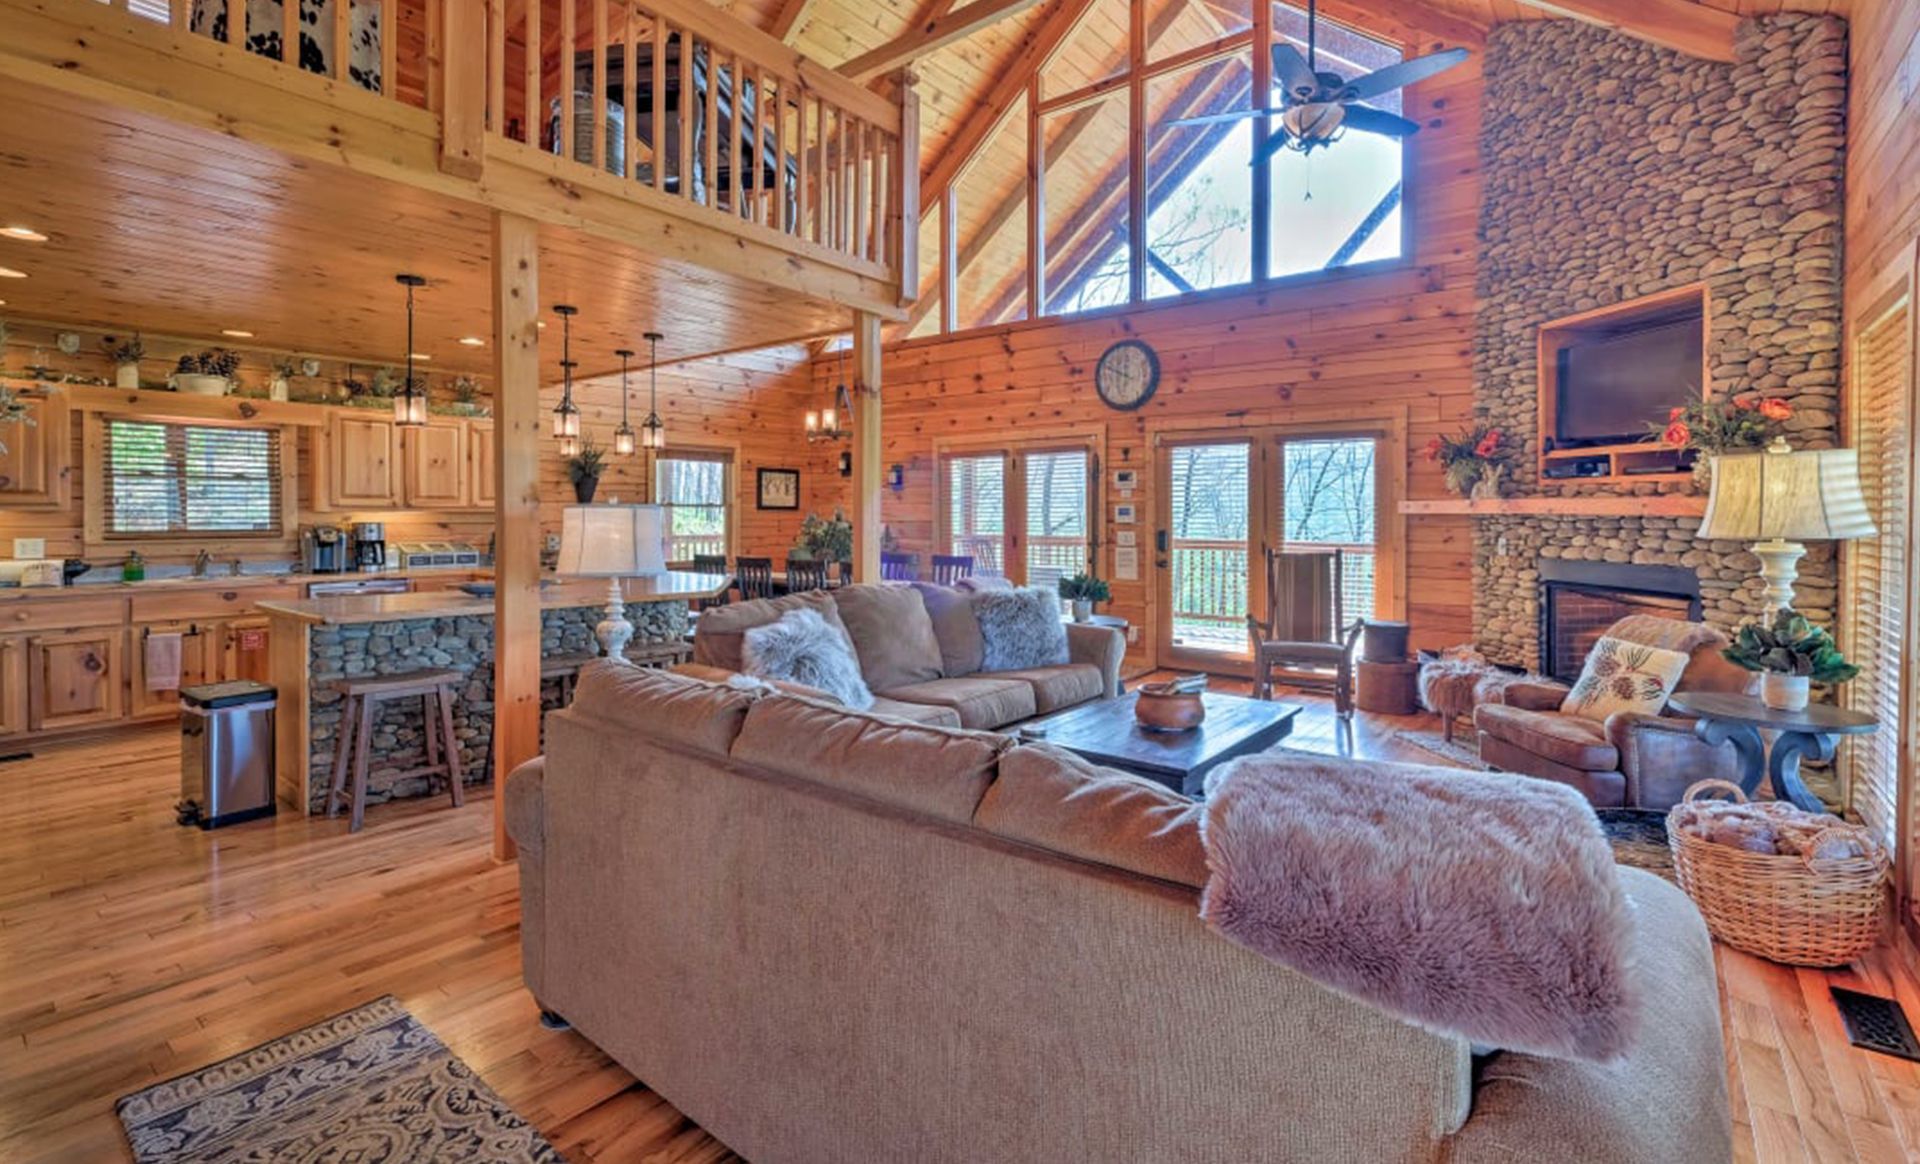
x=1021 y=628
x=801 y=648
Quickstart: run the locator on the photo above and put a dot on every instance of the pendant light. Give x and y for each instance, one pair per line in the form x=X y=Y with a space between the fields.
x=832 y=424
x=623 y=436
x=566 y=417
x=410 y=406
x=653 y=433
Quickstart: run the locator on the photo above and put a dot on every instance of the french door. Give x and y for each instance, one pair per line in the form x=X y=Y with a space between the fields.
x=1023 y=511
x=1227 y=499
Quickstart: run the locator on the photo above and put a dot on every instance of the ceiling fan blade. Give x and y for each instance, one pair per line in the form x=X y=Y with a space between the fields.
x=1405 y=73
x=1222 y=118
x=1370 y=120
x=1290 y=69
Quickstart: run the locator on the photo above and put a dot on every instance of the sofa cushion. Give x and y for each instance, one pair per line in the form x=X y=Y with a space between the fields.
x=891 y=633
x=962 y=650
x=938 y=771
x=983 y=701
x=799 y=647
x=1571 y=740
x=676 y=709
x=931 y=714
x=718 y=637
x=1059 y=687
x=1021 y=628
x=1049 y=797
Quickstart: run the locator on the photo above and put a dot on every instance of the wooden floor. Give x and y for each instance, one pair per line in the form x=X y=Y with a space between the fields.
x=132 y=950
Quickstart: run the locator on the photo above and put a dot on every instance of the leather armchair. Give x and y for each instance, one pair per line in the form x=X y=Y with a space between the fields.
x=1631 y=760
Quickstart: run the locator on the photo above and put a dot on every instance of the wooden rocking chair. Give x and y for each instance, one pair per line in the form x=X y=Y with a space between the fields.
x=1305 y=640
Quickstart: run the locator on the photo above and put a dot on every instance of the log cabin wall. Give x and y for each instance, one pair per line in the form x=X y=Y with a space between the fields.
x=1883 y=144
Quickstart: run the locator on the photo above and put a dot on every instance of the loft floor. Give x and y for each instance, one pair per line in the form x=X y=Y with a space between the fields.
x=132 y=950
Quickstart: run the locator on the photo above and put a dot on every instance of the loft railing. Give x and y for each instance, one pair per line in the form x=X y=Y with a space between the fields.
x=369 y=30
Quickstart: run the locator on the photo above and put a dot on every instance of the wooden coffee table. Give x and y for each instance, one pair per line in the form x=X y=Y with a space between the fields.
x=1106 y=733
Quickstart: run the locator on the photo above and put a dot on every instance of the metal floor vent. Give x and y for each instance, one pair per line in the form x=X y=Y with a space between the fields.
x=1876 y=1024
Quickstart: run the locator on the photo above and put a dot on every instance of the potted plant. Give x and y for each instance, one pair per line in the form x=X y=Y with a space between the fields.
x=13 y=410
x=1790 y=653
x=126 y=355
x=584 y=468
x=1709 y=428
x=209 y=373
x=284 y=369
x=825 y=539
x=1474 y=461
x=1083 y=590
x=466 y=397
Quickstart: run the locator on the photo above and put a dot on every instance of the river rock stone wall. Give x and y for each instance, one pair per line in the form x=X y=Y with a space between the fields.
x=1613 y=169
x=460 y=644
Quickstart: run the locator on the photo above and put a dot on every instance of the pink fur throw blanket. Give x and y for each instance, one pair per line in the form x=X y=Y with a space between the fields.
x=1481 y=905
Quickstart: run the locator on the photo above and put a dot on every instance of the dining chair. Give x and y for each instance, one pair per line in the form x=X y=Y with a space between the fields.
x=950 y=568
x=805 y=574
x=899 y=567
x=754 y=577
x=710 y=564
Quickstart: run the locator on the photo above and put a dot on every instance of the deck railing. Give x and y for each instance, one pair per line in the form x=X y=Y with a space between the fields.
x=1210 y=589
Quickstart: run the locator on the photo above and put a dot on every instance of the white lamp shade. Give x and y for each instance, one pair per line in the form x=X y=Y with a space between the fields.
x=612 y=541
x=1808 y=495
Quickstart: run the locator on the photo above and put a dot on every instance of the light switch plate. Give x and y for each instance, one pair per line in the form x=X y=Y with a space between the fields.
x=30 y=549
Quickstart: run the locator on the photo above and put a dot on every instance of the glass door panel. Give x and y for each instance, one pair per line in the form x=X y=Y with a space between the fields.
x=976 y=510
x=1057 y=515
x=1207 y=546
x=1328 y=499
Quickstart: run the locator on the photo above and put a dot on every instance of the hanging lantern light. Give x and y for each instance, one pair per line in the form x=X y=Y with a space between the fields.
x=623 y=442
x=566 y=417
x=653 y=433
x=410 y=406
x=831 y=424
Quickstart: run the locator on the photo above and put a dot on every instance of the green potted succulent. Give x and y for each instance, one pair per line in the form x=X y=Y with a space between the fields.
x=1790 y=654
x=584 y=469
x=1083 y=590
x=208 y=373
x=126 y=355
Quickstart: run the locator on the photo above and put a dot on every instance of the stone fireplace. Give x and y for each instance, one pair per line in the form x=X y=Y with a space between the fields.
x=1580 y=600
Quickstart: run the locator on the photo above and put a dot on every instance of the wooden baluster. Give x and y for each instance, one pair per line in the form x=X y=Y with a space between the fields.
x=290 y=35
x=828 y=205
x=757 y=145
x=629 y=88
x=906 y=203
x=390 y=46
x=658 y=76
x=342 y=41
x=236 y=21
x=883 y=215
x=599 y=106
x=689 y=96
x=862 y=191
x=801 y=169
x=710 y=154
x=738 y=141
x=779 y=206
x=497 y=66
x=843 y=183
x=531 y=67
x=182 y=13
x=569 y=29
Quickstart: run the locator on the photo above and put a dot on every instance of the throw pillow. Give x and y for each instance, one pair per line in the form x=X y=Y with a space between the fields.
x=1020 y=629
x=954 y=627
x=1624 y=676
x=802 y=647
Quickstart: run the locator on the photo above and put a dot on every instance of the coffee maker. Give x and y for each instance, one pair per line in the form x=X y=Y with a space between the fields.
x=324 y=548
x=369 y=546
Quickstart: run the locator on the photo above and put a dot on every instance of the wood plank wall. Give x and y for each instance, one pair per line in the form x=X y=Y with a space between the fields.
x=1399 y=338
x=1883 y=145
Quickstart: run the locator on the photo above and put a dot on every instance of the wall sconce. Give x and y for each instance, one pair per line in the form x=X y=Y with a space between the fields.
x=896 y=477
x=846 y=463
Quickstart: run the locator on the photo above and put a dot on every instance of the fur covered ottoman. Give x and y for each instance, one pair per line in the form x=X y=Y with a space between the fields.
x=1460 y=680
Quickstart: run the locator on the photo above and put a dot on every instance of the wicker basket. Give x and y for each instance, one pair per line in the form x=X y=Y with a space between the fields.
x=1791 y=909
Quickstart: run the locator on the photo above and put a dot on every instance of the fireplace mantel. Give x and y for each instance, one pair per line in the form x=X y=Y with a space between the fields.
x=1586 y=505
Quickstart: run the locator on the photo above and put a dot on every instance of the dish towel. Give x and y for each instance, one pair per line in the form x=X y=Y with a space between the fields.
x=163 y=661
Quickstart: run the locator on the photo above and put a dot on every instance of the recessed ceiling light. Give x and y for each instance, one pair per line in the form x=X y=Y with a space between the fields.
x=10 y=273
x=422 y=356
x=23 y=233
x=541 y=324
x=236 y=333
x=472 y=341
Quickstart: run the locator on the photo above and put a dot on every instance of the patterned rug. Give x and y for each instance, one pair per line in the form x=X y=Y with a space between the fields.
x=1462 y=750
x=372 y=1086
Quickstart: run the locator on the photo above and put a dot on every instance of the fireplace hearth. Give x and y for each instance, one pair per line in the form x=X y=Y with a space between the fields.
x=1580 y=600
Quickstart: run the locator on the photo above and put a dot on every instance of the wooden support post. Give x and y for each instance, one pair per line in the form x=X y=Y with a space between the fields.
x=463 y=84
x=866 y=447
x=516 y=567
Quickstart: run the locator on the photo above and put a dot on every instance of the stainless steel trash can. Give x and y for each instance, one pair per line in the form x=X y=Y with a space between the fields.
x=226 y=753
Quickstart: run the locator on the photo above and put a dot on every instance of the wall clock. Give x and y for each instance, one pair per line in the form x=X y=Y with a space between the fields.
x=1127 y=375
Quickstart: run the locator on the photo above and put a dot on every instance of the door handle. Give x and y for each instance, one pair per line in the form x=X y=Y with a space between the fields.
x=1159 y=541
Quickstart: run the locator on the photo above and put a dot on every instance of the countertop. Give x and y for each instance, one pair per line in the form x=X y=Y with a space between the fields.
x=348 y=609
x=224 y=581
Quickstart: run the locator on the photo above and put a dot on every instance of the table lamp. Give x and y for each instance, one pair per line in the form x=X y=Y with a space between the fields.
x=612 y=542
x=1778 y=499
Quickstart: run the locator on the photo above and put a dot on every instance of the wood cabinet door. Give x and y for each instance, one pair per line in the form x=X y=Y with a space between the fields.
x=244 y=643
x=13 y=685
x=361 y=463
x=436 y=460
x=199 y=660
x=38 y=462
x=480 y=465
x=74 y=679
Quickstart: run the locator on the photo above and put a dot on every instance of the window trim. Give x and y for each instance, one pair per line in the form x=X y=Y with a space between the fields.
x=98 y=540
x=727 y=455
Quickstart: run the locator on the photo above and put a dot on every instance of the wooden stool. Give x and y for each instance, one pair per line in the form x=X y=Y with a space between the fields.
x=665 y=655
x=565 y=669
x=363 y=698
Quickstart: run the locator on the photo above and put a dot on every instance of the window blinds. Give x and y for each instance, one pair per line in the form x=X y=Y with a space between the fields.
x=173 y=479
x=693 y=487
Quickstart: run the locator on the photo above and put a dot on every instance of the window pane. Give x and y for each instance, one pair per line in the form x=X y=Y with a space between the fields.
x=1094 y=51
x=695 y=494
x=1342 y=205
x=990 y=207
x=1207 y=504
x=976 y=511
x=1056 y=516
x=1175 y=26
x=1086 y=206
x=1328 y=495
x=183 y=479
x=926 y=315
x=1199 y=184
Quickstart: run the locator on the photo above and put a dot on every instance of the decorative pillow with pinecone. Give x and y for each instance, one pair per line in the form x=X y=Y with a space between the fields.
x=1624 y=676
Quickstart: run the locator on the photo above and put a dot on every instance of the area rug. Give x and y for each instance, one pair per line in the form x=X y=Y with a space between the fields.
x=1460 y=750
x=1639 y=839
x=372 y=1086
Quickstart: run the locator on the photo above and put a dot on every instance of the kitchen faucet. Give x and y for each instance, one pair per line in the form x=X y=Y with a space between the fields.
x=201 y=561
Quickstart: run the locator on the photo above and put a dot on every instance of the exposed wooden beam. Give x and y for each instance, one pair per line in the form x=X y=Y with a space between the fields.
x=516 y=508
x=788 y=20
x=935 y=34
x=1682 y=25
x=867 y=448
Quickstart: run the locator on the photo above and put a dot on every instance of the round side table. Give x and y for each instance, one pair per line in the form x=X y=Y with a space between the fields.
x=1806 y=734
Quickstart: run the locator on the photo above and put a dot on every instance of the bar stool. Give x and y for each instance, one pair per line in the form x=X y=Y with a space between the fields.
x=565 y=670
x=362 y=700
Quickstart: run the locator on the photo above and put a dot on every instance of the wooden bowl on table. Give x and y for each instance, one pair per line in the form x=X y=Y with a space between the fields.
x=1170 y=707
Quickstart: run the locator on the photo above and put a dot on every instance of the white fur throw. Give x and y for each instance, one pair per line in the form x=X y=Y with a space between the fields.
x=1020 y=628
x=799 y=647
x=1481 y=905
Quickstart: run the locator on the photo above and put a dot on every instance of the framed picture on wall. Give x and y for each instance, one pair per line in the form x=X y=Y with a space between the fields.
x=778 y=489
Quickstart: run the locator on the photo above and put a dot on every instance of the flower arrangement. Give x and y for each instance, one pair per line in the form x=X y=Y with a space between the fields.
x=123 y=351
x=217 y=362
x=825 y=539
x=1474 y=460
x=1713 y=427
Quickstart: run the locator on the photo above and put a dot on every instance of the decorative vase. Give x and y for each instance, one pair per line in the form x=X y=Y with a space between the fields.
x=277 y=388
x=197 y=385
x=583 y=488
x=1082 y=609
x=1487 y=486
x=126 y=376
x=1784 y=692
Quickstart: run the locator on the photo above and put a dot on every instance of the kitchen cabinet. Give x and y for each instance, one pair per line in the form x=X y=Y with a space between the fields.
x=37 y=467
x=13 y=684
x=360 y=465
x=199 y=663
x=244 y=643
x=74 y=679
x=435 y=458
x=480 y=475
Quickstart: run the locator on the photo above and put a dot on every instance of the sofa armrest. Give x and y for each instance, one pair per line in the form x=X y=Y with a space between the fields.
x=1535 y=696
x=1104 y=647
x=527 y=825
x=1661 y=757
x=526 y=808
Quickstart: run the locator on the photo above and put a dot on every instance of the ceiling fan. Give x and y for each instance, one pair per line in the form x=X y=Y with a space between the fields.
x=1316 y=107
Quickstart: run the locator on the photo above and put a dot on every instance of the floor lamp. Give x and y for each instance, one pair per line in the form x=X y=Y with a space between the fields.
x=612 y=542
x=1778 y=499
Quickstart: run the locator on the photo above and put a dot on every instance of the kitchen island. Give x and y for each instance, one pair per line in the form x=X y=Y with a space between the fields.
x=316 y=642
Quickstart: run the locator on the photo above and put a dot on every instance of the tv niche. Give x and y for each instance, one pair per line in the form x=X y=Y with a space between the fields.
x=1610 y=377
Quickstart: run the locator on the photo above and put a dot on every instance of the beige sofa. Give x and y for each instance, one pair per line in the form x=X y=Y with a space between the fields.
x=826 y=936
x=920 y=653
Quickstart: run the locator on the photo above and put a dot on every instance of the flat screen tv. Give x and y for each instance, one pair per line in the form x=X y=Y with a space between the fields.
x=1611 y=388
